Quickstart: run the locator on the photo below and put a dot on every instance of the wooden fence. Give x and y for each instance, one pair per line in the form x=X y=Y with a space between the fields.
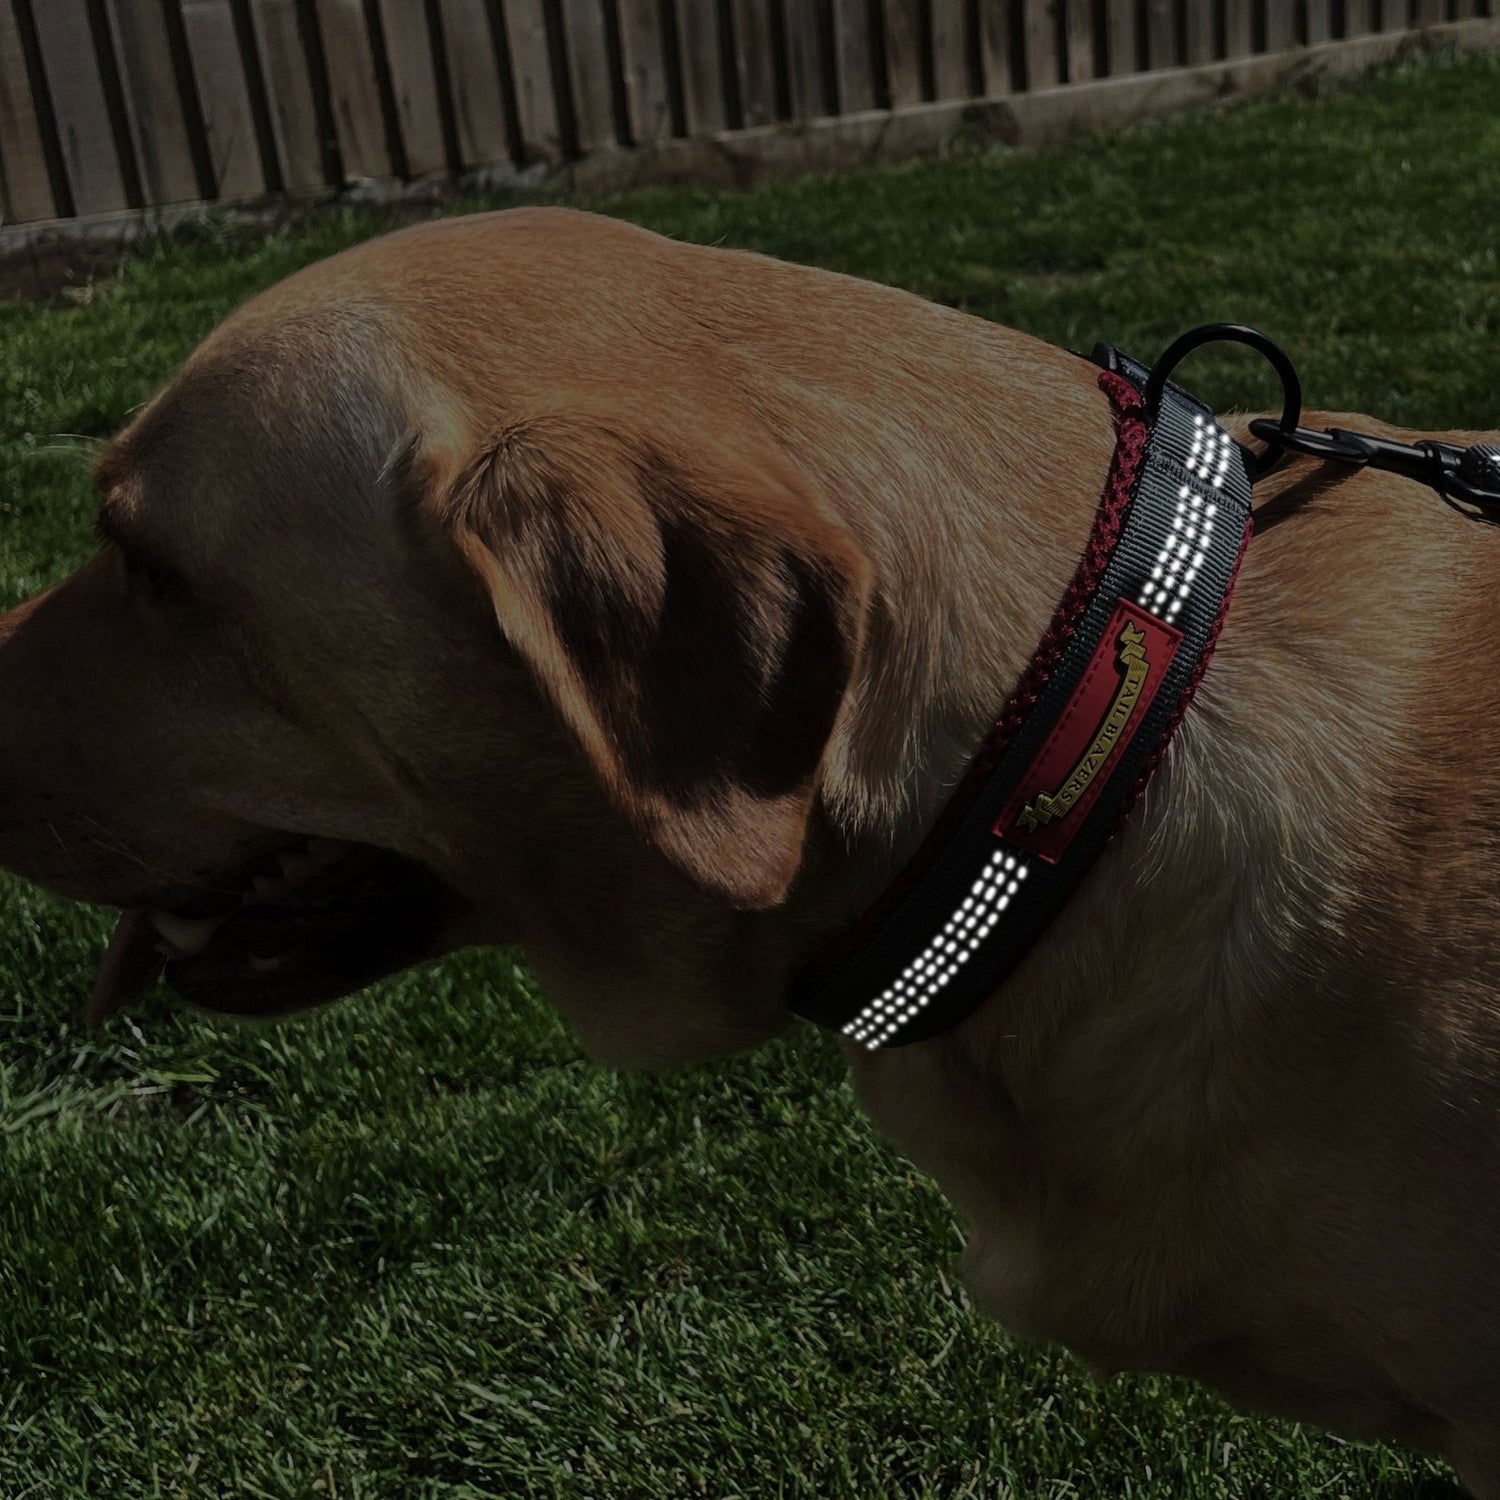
x=109 y=105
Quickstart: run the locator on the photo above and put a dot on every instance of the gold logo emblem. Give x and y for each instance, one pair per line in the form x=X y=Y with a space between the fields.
x=1130 y=654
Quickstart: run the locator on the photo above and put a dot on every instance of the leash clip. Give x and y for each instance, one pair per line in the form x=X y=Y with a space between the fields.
x=1467 y=478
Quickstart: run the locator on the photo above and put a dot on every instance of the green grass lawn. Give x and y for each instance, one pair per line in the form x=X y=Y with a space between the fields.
x=419 y=1246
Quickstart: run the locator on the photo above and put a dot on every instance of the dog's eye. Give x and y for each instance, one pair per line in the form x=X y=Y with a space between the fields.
x=154 y=580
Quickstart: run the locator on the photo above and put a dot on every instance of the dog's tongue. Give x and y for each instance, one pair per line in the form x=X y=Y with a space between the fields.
x=129 y=966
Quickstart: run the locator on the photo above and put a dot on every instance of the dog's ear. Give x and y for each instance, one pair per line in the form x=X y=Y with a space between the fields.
x=695 y=620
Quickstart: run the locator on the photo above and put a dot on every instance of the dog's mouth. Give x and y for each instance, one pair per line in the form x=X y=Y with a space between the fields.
x=316 y=920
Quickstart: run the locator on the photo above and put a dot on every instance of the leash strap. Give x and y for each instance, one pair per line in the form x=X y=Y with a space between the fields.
x=1082 y=733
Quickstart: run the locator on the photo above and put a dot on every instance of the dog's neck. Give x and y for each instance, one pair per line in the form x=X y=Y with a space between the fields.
x=1015 y=521
x=994 y=536
x=1199 y=909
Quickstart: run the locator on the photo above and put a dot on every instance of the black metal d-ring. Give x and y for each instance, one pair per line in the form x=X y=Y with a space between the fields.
x=1291 y=412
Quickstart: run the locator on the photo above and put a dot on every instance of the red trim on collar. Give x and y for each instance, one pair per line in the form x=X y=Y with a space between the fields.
x=1130 y=448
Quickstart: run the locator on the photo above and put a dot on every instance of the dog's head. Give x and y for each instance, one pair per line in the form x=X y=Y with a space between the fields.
x=420 y=624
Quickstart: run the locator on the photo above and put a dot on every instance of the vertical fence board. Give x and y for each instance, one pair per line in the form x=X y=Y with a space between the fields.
x=950 y=60
x=1120 y=30
x=1200 y=32
x=1161 y=41
x=854 y=57
x=474 y=78
x=1079 y=22
x=994 y=45
x=149 y=84
x=1041 y=44
x=1239 y=31
x=225 y=97
x=25 y=188
x=289 y=85
x=408 y=50
x=643 y=51
x=1463 y=10
x=753 y=57
x=588 y=72
x=903 y=51
x=1281 y=25
x=72 y=69
x=1425 y=12
x=1319 y=22
x=803 y=61
x=536 y=100
x=351 y=83
x=1359 y=17
x=702 y=82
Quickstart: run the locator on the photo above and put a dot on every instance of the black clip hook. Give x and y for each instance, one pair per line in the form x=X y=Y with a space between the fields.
x=1464 y=477
x=1475 y=480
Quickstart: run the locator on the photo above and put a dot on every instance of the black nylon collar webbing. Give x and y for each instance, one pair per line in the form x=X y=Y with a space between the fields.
x=1064 y=763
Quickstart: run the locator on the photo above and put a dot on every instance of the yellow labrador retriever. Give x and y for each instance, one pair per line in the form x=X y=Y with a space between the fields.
x=531 y=578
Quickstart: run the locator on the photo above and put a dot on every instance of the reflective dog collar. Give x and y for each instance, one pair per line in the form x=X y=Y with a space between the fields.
x=1076 y=744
